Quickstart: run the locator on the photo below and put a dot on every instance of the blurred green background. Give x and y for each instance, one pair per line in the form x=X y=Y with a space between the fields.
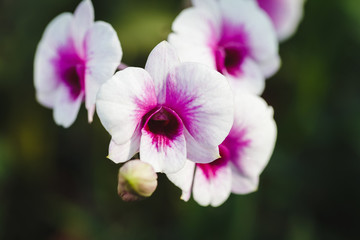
x=56 y=183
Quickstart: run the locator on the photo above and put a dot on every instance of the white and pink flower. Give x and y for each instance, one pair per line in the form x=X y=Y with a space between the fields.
x=74 y=57
x=234 y=37
x=285 y=15
x=169 y=112
x=243 y=155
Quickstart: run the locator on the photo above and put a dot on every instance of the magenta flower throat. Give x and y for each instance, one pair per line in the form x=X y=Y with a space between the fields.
x=70 y=69
x=231 y=50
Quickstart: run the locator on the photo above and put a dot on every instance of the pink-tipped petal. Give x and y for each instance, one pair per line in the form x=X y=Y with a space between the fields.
x=212 y=188
x=203 y=100
x=82 y=22
x=123 y=100
x=184 y=179
x=46 y=80
x=103 y=54
x=161 y=61
x=66 y=108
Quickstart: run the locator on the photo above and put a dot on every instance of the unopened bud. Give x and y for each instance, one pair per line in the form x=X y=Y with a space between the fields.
x=136 y=180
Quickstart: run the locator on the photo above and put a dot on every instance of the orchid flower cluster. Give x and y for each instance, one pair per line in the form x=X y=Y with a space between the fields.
x=194 y=112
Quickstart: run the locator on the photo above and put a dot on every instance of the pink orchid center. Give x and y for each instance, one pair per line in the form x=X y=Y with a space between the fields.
x=210 y=169
x=231 y=50
x=164 y=123
x=70 y=69
x=236 y=142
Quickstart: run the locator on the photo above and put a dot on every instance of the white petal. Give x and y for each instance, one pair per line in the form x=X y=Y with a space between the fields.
x=250 y=80
x=184 y=179
x=66 y=108
x=242 y=184
x=205 y=3
x=82 y=22
x=123 y=100
x=203 y=100
x=221 y=186
x=164 y=156
x=285 y=15
x=199 y=24
x=294 y=16
x=196 y=32
x=46 y=81
x=270 y=66
x=119 y=153
x=201 y=188
x=239 y=11
x=46 y=99
x=57 y=32
x=190 y=49
x=255 y=124
x=214 y=189
x=161 y=61
x=199 y=153
x=103 y=55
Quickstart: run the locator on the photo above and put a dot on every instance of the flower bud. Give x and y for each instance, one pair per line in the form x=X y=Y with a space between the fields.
x=136 y=180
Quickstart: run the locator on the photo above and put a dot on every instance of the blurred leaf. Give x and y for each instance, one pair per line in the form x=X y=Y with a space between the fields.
x=140 y=31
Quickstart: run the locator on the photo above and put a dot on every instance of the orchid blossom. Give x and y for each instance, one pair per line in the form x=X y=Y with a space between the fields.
x=74 y=57
x=243 y=155
x=169 y=111
x=285 y=15
x=235 y=37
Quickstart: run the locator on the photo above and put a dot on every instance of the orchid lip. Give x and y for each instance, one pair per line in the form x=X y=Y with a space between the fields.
x=231 y=50
x=163 y=122
x=71 y=69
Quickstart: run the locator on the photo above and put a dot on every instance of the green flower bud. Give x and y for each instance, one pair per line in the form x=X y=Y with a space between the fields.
x=136 y=180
